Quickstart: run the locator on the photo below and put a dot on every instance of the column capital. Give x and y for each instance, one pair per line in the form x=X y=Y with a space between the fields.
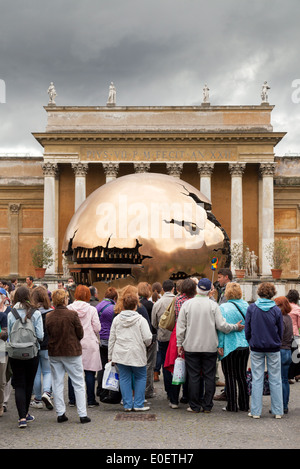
x=267 y=169
x=50 y=169
x=237 y=169
x=80 y=169
x=14 y=209
x=174 y=169
x=111 y=169
x=205 y=168
x=141 y=167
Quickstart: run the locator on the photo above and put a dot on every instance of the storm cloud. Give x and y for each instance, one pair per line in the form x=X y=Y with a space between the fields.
x=157 y=52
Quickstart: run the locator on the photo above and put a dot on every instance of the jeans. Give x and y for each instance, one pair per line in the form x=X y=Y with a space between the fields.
x=90 y=380
x=73 y=367
x=274 y=373
x=286 y=359
x=132 y=378
x=163 y=347
x=45 y=370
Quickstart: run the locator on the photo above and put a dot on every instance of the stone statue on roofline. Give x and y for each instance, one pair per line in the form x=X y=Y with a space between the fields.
x=264 y=92
x=52 y=94
x=112 y=95
x=205 y=94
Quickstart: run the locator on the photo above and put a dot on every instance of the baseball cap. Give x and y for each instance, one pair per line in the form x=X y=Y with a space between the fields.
x=3 y=291
x=204 y=284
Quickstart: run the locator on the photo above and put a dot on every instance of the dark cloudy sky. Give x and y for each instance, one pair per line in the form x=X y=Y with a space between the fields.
x=157 y=52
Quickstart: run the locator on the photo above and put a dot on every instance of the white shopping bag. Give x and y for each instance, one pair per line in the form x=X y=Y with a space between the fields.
x=179 y=371
x=110 y=378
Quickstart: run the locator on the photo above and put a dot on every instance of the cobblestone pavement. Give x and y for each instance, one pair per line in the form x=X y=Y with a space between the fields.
x=171 y=429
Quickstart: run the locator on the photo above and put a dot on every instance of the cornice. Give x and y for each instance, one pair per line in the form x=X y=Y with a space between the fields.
x=170 y=136
x=207 y=108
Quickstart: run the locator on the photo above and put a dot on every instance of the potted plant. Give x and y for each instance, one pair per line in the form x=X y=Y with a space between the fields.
x=42 y=257
x=239 y=252
x=277 y=254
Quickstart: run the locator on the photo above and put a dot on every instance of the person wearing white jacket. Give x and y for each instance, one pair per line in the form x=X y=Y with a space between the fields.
x=130 y=334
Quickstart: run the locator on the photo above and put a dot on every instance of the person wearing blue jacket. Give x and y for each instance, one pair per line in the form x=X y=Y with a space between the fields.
x=263 y=331
x=233 y=350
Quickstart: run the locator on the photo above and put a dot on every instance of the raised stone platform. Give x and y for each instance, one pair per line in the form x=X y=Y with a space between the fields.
x=249 y=286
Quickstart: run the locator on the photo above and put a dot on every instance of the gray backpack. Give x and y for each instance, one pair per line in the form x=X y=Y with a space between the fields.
x=22 y=341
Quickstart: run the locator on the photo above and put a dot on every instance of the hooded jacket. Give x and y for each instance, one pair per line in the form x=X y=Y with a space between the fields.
x=295 y=315
x=89 y=319
x=130 y=334
x=264 y=326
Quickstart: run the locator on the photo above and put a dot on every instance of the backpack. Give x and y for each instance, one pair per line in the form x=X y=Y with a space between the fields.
x=22 y=341
x=167 y=319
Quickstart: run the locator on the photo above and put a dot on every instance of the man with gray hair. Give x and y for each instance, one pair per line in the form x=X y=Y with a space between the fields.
x=197 y=325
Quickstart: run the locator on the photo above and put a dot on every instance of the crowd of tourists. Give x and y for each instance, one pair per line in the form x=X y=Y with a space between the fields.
x=80 y=335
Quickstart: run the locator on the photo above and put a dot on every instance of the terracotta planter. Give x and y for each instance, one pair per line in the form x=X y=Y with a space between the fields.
x=240 y=273
x=40 y=272
x=276 y=273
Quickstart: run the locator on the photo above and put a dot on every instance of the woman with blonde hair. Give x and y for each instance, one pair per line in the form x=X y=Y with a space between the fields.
x=65 y=332
x=233 y=350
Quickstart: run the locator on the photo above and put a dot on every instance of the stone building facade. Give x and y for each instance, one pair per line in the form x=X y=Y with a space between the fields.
x=225 y=151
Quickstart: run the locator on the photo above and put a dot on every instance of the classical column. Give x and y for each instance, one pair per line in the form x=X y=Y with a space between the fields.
x=236 y=171
x=141 y=167
x=50 y=171
x=174 y=169
x=80 y=170
x=205 y=171
x=14 y=239
x=111 y=170
x=266 y=213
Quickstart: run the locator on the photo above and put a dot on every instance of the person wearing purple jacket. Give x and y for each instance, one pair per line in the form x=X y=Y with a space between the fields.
x=263 y=331
x=106 y=314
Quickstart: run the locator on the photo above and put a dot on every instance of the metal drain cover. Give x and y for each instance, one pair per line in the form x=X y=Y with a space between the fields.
x=135 y=416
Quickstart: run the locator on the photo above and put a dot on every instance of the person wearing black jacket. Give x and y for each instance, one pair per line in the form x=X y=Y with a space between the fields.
x=145 y=291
